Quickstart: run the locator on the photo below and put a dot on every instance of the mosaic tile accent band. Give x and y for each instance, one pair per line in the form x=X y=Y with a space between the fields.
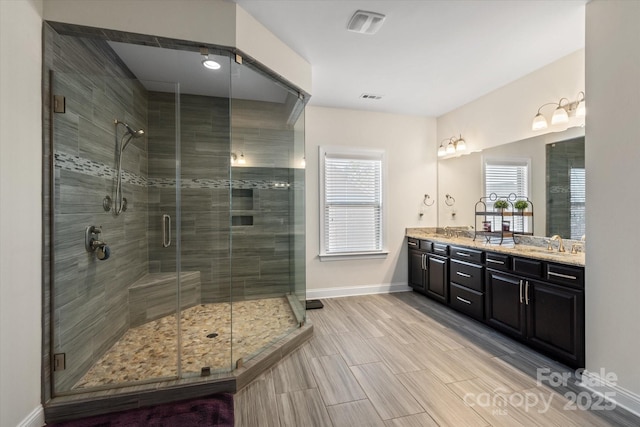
x=64 y=161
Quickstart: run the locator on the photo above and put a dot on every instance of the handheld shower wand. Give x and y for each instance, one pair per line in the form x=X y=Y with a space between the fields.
x=121 y=202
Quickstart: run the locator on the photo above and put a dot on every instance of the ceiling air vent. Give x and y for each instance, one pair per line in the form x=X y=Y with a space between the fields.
x=370 y=96
x=364 y=22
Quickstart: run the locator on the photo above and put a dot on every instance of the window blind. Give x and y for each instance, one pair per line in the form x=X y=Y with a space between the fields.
x=503 y=177
x=577 y=185
x=352 y=204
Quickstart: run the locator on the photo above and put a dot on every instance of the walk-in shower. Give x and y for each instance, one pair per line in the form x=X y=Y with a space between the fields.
x=205 y=263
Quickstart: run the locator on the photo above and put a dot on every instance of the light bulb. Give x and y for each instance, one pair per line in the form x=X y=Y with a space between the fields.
x=442 y=151
x=241 y=160
x=559 y=116
x=303 y=162
x=451 y=148
x=539 y=122
x=581 y=110
x=210 y=63
x=461 y=145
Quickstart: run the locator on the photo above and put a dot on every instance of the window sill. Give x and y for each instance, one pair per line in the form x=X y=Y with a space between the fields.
x=353 y=255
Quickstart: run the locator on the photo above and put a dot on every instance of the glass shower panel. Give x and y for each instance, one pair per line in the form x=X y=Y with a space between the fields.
x=204 y=231
x=267 y=204
x=115 y=292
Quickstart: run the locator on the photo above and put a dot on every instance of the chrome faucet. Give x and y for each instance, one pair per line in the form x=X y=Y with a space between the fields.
x=560 y=244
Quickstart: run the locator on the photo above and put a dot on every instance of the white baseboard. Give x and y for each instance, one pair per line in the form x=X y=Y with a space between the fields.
x=349 y=291
x=611 y=391
x=34 y=419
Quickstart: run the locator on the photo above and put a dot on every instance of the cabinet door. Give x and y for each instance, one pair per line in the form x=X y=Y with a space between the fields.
x=556 y=321
x=504 y=309
x=416 y=269
x=437 y=279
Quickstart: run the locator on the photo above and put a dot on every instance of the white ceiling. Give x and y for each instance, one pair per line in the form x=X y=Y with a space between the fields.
x=430 y=56
x=159 y=69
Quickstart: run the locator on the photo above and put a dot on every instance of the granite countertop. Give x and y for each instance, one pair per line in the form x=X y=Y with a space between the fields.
x=523 y=250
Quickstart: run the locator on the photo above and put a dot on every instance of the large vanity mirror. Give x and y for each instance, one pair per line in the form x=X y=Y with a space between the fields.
x=553 y=172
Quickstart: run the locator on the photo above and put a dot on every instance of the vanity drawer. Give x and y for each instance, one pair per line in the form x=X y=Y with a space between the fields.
x=426 y=245
x=530 y=267
x=468 y=275
x=440 y=249
x=497 y=261
x=467 y=301
x=466 y=254
x=565 y=275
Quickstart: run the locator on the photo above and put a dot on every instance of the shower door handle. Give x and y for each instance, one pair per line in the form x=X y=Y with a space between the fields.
x=166 y=231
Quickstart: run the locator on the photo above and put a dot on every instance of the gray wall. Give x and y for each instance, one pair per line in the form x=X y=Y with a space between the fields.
x=204 y=150
x=90 y=297
x=253 y=259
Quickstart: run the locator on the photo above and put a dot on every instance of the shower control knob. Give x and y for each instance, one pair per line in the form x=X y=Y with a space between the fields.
x=103 y=253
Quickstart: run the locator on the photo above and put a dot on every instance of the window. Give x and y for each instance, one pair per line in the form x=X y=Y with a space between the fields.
x=351 y=202
x=504 y=177
x=577 y=179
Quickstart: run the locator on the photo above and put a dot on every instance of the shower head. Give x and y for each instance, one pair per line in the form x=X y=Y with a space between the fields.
x=130 y=132
x=134 y=133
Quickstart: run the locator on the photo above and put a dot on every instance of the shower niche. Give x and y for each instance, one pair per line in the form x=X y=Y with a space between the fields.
x=143 y=153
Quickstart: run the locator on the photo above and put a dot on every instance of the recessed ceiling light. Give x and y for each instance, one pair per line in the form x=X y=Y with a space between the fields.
x=208 y=62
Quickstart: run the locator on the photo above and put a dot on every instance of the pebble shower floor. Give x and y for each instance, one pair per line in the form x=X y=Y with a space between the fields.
x=150 y=351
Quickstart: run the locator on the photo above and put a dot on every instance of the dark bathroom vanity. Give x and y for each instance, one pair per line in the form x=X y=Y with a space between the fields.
x=534 y=300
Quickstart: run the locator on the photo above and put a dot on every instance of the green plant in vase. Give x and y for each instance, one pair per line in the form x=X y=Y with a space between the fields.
x=521 y=205
x=500 y=205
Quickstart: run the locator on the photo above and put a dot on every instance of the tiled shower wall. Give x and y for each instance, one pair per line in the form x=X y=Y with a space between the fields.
x=247 y=261
x=91 y=296
x=204 y=199
x=561 y=157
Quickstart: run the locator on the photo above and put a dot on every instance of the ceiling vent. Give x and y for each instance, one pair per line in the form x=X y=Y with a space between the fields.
x=370 y=96
x=364 y=22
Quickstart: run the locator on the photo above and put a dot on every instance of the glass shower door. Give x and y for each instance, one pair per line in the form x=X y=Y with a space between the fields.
x=115 y=290
x=267 y=210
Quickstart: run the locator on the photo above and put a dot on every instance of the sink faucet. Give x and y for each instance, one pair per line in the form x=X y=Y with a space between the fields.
x=560 y=244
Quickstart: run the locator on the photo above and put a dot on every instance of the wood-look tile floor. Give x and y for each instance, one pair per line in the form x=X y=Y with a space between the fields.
x=404 y=360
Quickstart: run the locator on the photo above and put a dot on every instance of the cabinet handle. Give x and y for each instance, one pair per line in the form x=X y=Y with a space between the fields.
x=526 y=292
x=462 y=274
x=424 y=262
x=438 y=249
x=494 y=261
x=412 y=243
x=466 y=301
x=564 y=276
x=463 y=254
x=520 y=291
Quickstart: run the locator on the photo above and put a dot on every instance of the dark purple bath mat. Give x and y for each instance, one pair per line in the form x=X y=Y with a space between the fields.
x=216 y=410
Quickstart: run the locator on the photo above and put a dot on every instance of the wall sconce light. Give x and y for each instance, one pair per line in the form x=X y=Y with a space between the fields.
x=303 y=162
x=208 y=62
x=454 y=145
x=564 y=109
x=239 y=160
